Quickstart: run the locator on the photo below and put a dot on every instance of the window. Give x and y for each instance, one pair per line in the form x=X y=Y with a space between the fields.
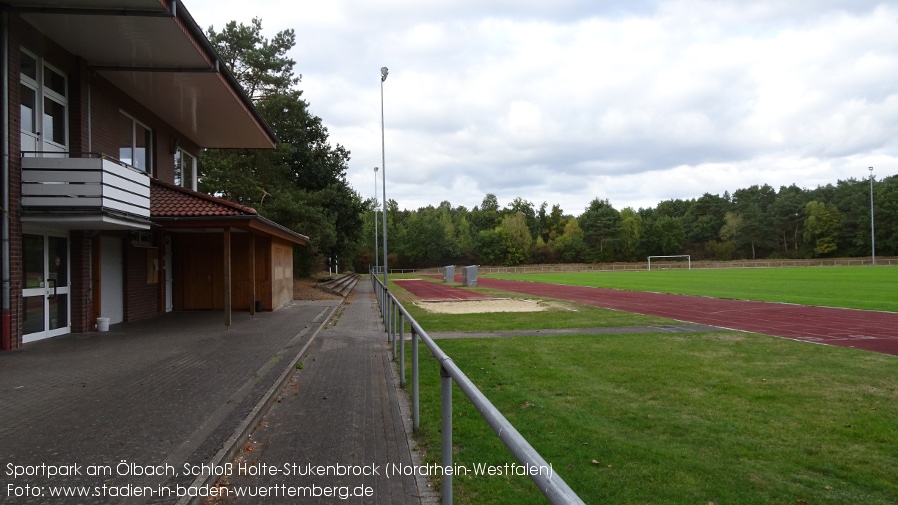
x=54 y=106
x=54 y=121
x=28 y=66
x=135 y=143
x=43 y=105
x=29 y=109
x=184 y=169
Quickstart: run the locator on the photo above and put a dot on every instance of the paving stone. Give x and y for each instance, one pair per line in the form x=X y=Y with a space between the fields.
x=167 y=390
x=342 y=410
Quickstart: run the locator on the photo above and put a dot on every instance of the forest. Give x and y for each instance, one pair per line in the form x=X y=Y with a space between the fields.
x=752 y=223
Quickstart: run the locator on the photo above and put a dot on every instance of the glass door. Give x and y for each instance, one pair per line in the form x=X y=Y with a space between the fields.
x=45 y=296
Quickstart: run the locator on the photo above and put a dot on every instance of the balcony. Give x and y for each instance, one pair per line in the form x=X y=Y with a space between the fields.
x=88 y=193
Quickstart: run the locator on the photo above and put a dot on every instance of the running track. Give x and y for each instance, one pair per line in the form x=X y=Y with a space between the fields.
x=431 y=291
x=861 y=329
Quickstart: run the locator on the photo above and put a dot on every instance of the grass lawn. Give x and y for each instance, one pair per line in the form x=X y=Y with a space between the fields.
x=871 y=288
x=693 y=418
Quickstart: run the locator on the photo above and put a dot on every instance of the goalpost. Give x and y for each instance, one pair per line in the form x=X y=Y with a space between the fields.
x=688 y=260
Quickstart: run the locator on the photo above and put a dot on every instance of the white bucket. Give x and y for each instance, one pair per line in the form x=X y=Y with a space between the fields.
x=102 y=324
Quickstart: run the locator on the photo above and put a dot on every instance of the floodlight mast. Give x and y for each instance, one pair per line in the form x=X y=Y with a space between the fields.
x=872 y=232
x=376 y=260
x=383 y=163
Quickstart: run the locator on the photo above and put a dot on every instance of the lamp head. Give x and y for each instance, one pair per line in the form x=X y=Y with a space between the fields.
x=383 y=73
x=376 y=169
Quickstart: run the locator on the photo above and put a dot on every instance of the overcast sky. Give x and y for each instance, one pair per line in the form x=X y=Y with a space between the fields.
x=565 y=101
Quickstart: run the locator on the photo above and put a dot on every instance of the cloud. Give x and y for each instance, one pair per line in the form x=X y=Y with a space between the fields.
x=568 y=101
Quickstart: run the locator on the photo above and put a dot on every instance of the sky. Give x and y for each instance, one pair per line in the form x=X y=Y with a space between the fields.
x=566 y=101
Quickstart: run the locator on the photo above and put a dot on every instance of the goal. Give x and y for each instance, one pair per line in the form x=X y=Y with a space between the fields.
x=688 y=261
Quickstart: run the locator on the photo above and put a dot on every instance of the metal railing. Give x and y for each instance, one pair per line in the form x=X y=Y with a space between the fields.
x=394 y=315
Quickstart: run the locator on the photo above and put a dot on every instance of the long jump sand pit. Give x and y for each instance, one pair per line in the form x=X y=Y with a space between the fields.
x=477 y=306
x=445 y=299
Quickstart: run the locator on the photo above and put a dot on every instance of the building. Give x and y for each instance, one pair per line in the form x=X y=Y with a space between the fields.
x=107 y=104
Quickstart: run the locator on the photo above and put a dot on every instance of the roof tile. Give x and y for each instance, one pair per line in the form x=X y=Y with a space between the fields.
x=168 y=200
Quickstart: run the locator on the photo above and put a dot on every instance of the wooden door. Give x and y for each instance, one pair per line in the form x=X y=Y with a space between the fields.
x=197 y=277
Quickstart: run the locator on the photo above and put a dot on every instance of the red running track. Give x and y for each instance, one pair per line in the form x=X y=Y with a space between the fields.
x=432 y=291
x=861 y=329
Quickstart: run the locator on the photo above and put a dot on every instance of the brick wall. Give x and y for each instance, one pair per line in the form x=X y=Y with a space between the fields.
x=141 y=298
x=15 y=190
x=79 y=272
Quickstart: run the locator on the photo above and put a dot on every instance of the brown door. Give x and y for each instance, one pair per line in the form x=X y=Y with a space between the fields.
x=197 y=277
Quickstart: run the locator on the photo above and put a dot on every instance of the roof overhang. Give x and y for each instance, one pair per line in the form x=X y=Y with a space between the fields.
x=254 y=223
x=154 y=51
x=180 y=209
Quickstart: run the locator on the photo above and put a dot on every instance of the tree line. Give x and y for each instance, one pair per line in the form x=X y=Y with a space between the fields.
x=751 y=223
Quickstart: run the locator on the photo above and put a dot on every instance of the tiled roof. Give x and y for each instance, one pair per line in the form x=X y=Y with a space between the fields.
x=167 y=200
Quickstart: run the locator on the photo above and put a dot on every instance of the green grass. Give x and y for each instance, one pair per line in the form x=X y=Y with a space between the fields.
x=871 y=288
x=567 y=315
x=677 y=418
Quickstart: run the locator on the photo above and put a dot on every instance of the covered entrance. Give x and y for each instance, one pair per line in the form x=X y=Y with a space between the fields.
x=223 y=255
x=45 y=296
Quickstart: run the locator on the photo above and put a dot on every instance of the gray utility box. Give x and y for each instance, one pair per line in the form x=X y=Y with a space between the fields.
x=469 y=276
x=449 y=273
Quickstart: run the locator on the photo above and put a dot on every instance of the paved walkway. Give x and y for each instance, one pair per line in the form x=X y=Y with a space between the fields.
x=341 y=412
x=156 y=395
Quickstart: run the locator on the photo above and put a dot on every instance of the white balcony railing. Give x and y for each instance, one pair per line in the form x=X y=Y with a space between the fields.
x=84 y=185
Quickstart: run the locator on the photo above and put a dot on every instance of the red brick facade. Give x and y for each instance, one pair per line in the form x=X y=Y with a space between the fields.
x=95 y=109
x=141 y=300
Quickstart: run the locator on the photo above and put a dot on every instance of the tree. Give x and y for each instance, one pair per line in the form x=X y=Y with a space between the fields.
x=599 y=224
x=516 y=226
x=261 y=66
x=751 y=203
x=497 y=247
x=555 y=223
x=428 y=238
x=570 y=246
x=670 y=235
x=787 y=212
x=704 y=219
x=629 y=235
x=302 y=182
x=886 y=214
x=486 y=217
x=465 y=239
x=729 y=233
x=822 y=227
x=525 y=208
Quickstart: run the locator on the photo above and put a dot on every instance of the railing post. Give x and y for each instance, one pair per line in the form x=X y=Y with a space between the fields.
x=393 y=319
x=446 y=415
x=401 y=350
x=416 y=412
x=388 y=311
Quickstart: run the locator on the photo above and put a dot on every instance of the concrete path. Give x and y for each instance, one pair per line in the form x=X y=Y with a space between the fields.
x=341 y=419
x=136 y=404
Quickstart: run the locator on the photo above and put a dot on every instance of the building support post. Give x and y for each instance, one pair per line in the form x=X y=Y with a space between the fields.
x=252 y=273
x=227 y=277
